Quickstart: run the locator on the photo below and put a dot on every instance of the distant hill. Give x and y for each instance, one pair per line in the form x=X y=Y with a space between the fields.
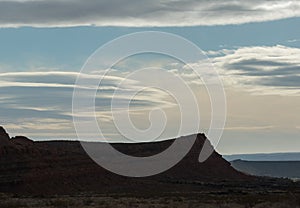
x=281 y=169
x=293 y=156
x=63 y=167
x=282 y=165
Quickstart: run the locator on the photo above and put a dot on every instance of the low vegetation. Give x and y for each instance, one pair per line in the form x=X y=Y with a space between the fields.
x=188 y=200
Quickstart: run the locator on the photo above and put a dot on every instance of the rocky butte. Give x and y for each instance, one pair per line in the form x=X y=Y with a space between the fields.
x=63 y=167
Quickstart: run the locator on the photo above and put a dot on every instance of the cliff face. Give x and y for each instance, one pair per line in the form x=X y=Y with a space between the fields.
x=4 y=137
x=5 y=144
x=63 y=167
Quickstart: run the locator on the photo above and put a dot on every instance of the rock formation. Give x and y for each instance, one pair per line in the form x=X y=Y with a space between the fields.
x=63 y=167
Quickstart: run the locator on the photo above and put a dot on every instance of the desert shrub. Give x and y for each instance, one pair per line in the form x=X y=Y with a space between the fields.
x=12 y=204
x=88 y=202
x=62 y=203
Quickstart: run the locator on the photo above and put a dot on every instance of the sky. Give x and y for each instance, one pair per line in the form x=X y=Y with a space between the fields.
x=253 y=45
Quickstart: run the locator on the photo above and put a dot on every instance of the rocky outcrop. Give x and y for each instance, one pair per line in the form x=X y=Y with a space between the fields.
x=4 y=137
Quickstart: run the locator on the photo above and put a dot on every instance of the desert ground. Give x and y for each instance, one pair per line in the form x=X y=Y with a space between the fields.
x=188 y=200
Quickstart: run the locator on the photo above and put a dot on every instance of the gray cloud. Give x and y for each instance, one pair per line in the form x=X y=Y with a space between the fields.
x=42 y=13
x=271 y=70
x=292 y=81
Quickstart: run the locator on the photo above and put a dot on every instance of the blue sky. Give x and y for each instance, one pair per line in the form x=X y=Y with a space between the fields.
x=70 y=47
x=254 y=45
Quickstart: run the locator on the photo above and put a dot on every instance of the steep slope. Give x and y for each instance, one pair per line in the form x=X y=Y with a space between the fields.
x=4 y=137
x=63 y=167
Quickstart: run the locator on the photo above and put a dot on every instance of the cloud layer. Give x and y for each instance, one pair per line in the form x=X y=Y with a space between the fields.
x=41 y=101
x=262 y=69
x=42 y=13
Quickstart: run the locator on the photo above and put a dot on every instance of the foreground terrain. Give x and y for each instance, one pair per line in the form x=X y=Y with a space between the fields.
x=179 y=200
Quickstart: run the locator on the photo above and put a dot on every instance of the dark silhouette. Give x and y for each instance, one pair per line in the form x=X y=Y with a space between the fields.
x=61 y=167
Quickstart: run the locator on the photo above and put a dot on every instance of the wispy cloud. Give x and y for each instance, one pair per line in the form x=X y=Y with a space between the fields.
x=42 y=13
x=39 y=103
x=41 y=124
x=293 y=40
x=248 y=128
x=221 y=52
x=42 y=100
